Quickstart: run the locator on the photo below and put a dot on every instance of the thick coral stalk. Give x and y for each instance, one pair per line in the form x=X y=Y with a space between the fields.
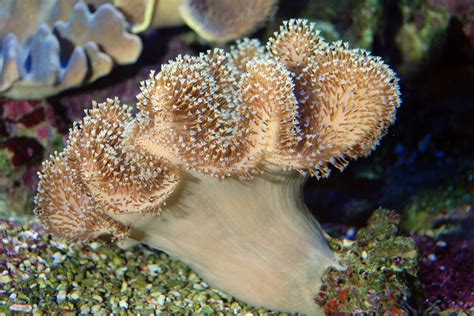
x=255 y=239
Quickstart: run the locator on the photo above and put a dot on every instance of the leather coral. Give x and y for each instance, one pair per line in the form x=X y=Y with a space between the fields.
x=212 y=166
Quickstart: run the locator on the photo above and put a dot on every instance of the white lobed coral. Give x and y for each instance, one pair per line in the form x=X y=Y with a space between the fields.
x=49 y=45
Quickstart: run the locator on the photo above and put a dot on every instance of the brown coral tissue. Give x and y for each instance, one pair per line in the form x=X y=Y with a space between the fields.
x=212 y=166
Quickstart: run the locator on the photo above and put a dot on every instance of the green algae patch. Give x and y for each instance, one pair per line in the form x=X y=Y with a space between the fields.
x=381 y=271
x=440 y=212
x=422 y=30
x=355 y=22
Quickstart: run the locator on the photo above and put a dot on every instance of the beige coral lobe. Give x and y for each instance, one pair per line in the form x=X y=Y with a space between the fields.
x=118 y=178
x=346 y=98
x=98 y=173
x=67 y=211
x=215 y=159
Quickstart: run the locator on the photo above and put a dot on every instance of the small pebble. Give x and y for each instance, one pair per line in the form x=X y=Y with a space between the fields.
x=123 y=304
x=85 y=309
x=74 y=296
x=94 y=245
x=156 y=294
x=154 y=268
x=124 y=286
x=95 y=309
x=61 y=297
x=198 y=287
x=193 y=277
x=235 y=307
x=5 y=279
x=98 y=298
x=27 y=263
x=174 y=293
x=23 y=308
x=161 y=300
x=207 y=310
x=57 y=258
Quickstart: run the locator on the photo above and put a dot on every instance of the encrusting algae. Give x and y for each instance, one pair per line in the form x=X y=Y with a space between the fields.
x=212 y=166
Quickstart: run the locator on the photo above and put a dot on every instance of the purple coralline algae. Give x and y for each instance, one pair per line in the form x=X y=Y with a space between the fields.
x=446 y=271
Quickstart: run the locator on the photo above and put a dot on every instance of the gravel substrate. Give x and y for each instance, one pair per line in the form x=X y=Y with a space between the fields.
x=40 y=275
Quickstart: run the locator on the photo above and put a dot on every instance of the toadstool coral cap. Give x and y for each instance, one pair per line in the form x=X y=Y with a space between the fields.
x=308 y=103
x=117 y=178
